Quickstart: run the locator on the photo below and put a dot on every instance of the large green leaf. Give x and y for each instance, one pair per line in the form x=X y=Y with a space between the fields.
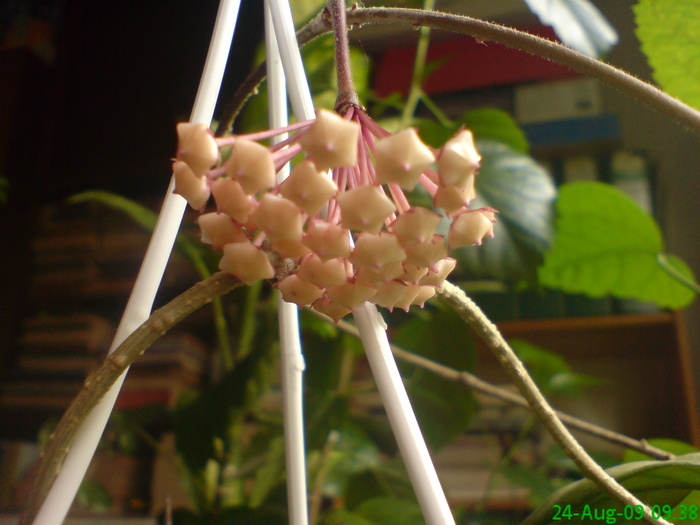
x=496 y=124
x=523 y=193
x=669 y=31
x=605 y=244
x=383 y=511
x=658 y=483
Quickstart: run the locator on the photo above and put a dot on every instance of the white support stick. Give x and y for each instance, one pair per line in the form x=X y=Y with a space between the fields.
x=61 y=495
x=292 y=359
x=403 y=421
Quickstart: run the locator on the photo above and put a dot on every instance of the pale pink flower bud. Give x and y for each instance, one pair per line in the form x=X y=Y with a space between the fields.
x=385 y=274
x=376 y=251
x=470 y=227
x=195 y=190
x=297 y=291
x=289 y=248
x=219 y=229
x=452 y=199
x=308 y=188
x=426 y=253
x=425 y=293
x=413 y=274
x=252 y=165
x=415 y=226
x=364 y=208
x=401 y=158
x=458 y=160
x=389 y=294
x=441 y=270
x=246 y=262
x=322 y=273
x=351 y=295
x=331 y=141
x=232 y=200
x=196 y=146
x=327 y=240
x=328 y=307
x=278 y=218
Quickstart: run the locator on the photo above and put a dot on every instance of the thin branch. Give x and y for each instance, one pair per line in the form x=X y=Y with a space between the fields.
x=488 y=332
x=100 y=381
x=347 y=96
x=357 y=16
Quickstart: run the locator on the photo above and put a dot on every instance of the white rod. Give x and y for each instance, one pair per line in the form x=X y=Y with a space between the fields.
x=292 y=359
x=403 y=421
x=61 y=495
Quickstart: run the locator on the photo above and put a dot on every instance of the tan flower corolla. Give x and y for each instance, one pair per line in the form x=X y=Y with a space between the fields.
x=195 y=190
x=412 y=273
x=327 y=240
x=425 y=293
x=469 y=228
x=351 y=295
x=328 y=307
x=295 y=290
x=458 y=160
x=279 y=218
x=377 y=250
x=219 y=229
x=364 y=208
x=246 y=262
x=308 y=188
x=452 y=199
x=196 y=146
x=251 y=164
x=232 y=200
x=441 y=270
x=426 y=253
x=415 y=226
x=401 y=158
x=331 y=141
x=322 y=273
x=382 y=275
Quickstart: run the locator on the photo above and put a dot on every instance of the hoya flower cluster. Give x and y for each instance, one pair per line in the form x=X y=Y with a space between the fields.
x=341 y=215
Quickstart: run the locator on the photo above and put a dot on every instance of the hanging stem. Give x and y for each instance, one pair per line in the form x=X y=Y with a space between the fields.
x=347 y=96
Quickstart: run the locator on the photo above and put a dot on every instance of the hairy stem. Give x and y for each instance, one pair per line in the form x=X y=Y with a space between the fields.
x=347 y=96
x=488 y=332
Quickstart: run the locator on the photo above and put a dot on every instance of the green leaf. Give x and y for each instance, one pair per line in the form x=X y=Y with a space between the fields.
x=523 y=193
x=388 y=479
x=605 y=244
x=669 y=445
x=668 y=31
x=385 y=511
x=661 y=483
x=496 y=124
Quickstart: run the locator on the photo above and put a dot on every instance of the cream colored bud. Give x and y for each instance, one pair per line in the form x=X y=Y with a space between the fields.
x=458 y=160
x=289 y=248
x=331 y=141
x=327 y=240
x=195 y=190
x=401 y=158
x=426 y=253
x=196 y=146
x=377 y=250
x=297 y=291
x=412 y=274
x=425 y=293
x=251 y=164
x=385 y=274
x=469 y=228
x=308 y=188
x=364 y=208
x=328 y=307
x=415 y=226
x=322 y=273
x=219 y=229
x=278 y=218
x=232 y=200
x=389 y=294
x=452 y=199
x=246 y=262
x=441 y=270
x=351 y=295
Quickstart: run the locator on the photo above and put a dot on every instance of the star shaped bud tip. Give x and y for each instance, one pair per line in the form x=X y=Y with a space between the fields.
x=470 y=227
x=195 y=190
x=377 y=250
x=232 y=200
x=196 y=146
x=302 y=293
x=458 y=160
x=327 y=240
x=246 y=262
x=426 y=253
x=219 y=229
x=442 y=269
x=351 y=295
x=401 y=158
x=452 y=199
x=252 y=165
x=322 y=273
x=415 y=226
x=364 y=208
x=331 y=141
x=308 y=188
x=279 y=218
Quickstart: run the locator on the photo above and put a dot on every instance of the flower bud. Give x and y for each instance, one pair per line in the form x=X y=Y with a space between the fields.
x=278 y=218
x=251 y=164
x=290 y=249
x=386 y=273
x=412 y=274
x=297 y=291
x=219 y=229
x=308 y=188
x=328 y=307
x=458 y=160
x=441 y=270
x=351 y=295
x=232 y=200
x=322 y=273
x=452 y=199
x=327 y=240
x=425 y=293
x=246 y=262
x=195 y=190
x=364 y=208
x=415 y=226
x=196 y=146
x=401 y=158
x=376 y=251
x=470 y=227
x=426 y=253
x=331 y=141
